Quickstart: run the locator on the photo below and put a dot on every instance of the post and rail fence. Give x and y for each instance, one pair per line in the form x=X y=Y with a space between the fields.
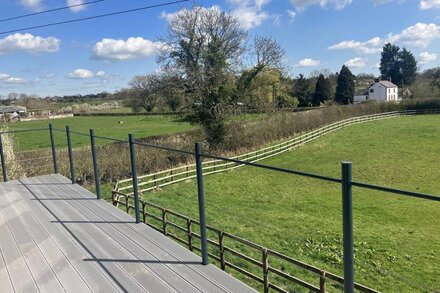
x=217 y=249
x=150 y=182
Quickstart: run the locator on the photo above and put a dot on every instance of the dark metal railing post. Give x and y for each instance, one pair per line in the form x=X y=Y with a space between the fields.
x=201 y=197
x=347 y=225
x=95 y=164
x=134 y=178
x=2 y=155
x=69 y=148
x=54 y=152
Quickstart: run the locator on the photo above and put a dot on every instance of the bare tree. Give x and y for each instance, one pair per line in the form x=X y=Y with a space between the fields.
x=268 y=56
x=205 y=45
x=144 y=91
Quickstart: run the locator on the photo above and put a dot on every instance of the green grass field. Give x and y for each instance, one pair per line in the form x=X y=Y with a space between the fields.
x=397 y=239
x=140 y=126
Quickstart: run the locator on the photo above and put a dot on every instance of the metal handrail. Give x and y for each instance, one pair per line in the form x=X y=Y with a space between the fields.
x=222 y=249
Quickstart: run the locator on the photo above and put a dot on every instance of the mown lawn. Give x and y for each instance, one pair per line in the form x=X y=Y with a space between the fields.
x=140 y=126
x=397 y=238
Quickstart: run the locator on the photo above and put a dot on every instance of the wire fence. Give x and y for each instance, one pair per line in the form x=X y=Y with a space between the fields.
x=212 y=243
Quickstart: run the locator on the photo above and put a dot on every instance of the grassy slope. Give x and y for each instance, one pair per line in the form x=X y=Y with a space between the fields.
x=141 y=126
x=397 y=239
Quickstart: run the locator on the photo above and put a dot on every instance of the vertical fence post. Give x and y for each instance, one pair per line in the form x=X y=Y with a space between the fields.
x=134 y=178
x=322 y=286
x=201 y=197
x=265 y=271
x=190 y=234
x=54 y=152
x=95 y=164
x=69 y=148
x=221 y=242
x=144 y=214
x=2 y=155
x=164 y=222
x=347 y=224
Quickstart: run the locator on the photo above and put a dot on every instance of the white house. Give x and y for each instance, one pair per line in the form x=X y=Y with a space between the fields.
x=381 y=90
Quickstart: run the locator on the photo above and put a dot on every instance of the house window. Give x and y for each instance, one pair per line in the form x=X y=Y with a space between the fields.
x=371 y=90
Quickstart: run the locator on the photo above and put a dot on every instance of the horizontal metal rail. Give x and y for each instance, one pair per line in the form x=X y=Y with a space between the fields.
x=227 y=256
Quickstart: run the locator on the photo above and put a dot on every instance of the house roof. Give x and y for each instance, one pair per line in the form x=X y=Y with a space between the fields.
x=12 y=109
x=387 y=84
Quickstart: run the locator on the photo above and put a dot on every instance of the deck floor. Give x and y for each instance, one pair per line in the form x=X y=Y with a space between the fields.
x=55 y=237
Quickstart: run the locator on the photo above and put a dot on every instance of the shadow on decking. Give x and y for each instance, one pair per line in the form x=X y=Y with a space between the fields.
x=177 y=262
x=94 y=222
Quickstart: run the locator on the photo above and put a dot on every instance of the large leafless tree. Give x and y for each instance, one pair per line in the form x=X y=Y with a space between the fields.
x=205 y=45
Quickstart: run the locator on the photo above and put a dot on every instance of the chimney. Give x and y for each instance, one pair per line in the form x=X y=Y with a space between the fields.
x=376 y=80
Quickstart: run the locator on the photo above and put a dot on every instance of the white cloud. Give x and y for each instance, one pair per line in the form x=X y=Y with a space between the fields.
x=291 y=15
x=168 y=16
x=355 y=63
x=119 y=50
x=29 y=43
x=308 y=62
x=49 y=75
x=428 y=4
x=249 y=13
x=14 y=80
x=32 y=4
x=250 y=16
x=426 y=57
x=371 y=46
x=101 y=74
x=76 y=8
x=81 y=74
x=418 y=35
x=4 y=76
x=260 y=3
x=300 y=5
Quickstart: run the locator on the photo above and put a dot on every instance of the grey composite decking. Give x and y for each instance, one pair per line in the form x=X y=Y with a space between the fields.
x=57 y=237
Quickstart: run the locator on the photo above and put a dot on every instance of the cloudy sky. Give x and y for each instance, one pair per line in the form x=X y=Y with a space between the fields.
x=103 y=54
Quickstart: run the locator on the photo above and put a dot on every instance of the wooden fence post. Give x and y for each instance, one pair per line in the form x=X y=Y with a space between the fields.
x=164 y=222
x=221 y=242
x=144 y=214
x=322 y=282
x=265 y=271
x=189 y=228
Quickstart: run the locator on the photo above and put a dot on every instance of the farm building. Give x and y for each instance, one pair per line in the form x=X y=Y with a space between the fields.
x=11 y=112
x=381 y=90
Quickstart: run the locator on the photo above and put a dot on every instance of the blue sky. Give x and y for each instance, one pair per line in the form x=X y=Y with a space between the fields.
x=104 y=54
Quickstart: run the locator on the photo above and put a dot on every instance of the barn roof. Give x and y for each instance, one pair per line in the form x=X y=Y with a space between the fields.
x=12 y=109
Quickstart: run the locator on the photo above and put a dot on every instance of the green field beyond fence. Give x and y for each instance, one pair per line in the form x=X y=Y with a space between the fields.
x=397 y=238
x=117 y=127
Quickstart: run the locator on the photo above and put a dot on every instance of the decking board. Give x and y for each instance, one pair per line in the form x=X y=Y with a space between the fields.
x=57 y=237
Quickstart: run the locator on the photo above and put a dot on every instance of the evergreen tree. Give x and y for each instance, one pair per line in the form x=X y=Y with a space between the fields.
x=302 y=91
x=345 y=86
x=389 y=63
x=322 y=90
x=399 y=66
x=407 y=68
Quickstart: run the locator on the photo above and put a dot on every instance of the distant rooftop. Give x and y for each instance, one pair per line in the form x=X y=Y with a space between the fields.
x=387 y=84
x=12 y=109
